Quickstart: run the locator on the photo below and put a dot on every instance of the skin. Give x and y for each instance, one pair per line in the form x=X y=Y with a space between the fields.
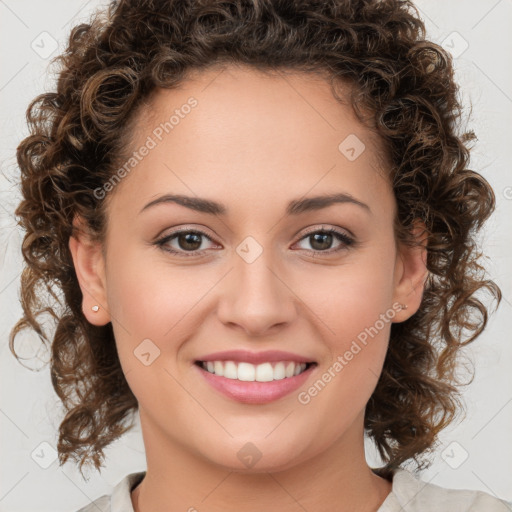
x=253 y=143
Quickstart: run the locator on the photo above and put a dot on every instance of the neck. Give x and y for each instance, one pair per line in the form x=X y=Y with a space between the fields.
x=337 y=478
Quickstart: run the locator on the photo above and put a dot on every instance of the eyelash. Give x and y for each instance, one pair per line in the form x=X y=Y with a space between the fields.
x=346 y=240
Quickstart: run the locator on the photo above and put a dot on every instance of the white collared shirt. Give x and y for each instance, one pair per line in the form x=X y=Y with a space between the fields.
x=408 y=494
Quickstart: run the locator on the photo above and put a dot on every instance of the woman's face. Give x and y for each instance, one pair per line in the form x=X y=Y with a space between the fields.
x=260 y=278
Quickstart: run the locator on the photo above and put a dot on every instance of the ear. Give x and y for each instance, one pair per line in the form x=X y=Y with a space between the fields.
x=411 y=273
x=90 y=270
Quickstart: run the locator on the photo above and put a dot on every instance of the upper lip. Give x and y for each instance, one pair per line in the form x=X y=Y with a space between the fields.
x=255 y=357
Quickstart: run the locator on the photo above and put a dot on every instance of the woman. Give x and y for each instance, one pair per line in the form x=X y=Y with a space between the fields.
x=262 y=225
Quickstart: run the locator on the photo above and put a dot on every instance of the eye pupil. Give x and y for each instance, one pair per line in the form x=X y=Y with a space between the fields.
x=192 y=241
x=326 y=238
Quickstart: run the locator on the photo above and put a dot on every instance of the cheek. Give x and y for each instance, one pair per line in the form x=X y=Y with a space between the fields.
x=357 y=336
x=354 y=308
x=150 y=300
x=351 y=297
x=152 y=310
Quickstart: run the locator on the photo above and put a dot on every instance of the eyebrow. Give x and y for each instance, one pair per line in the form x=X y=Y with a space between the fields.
x=295 y=207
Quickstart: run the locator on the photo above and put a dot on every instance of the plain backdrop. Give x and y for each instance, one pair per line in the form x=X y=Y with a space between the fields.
x=476 y=453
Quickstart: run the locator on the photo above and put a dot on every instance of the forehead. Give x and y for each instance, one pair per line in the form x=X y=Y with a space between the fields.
x=273 y=99
x=254 y=102
x=239 y=130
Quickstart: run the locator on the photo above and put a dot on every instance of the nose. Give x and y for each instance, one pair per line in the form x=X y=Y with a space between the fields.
x=257 y=298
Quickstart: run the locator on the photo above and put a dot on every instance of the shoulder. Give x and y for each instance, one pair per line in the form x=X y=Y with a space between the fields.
x=410 y=494
x=120 y=498
x=102 y=503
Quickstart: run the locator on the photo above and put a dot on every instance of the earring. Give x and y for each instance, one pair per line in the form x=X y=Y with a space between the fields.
x=403 y=306
x=95 y=308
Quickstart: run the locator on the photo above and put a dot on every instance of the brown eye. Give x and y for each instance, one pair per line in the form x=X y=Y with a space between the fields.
x=322 y=240
x=186 y=242
x=190 y=241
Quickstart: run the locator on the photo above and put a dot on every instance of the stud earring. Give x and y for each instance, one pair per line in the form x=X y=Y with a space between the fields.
x=403 y=306
x=95 y=308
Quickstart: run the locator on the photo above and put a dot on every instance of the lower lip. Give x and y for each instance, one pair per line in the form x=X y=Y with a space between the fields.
x=255 y=392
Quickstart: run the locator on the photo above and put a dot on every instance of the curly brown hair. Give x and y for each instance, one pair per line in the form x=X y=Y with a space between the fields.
x=405 y=82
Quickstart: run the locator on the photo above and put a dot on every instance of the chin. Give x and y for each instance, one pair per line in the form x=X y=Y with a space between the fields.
x=256 y=457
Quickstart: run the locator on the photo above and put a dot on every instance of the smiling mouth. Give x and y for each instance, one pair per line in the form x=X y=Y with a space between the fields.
x=247 y=372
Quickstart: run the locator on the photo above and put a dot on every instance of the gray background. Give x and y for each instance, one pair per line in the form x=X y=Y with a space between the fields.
x=475 y=453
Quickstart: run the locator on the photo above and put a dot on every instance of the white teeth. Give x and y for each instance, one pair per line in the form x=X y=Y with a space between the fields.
x=290 y=367
x=219 y=368
x=279 y=372
x=248 y=372
x=264 y=372
x=230 y=370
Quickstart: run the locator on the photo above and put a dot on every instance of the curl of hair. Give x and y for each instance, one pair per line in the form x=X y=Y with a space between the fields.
x=405 y=82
